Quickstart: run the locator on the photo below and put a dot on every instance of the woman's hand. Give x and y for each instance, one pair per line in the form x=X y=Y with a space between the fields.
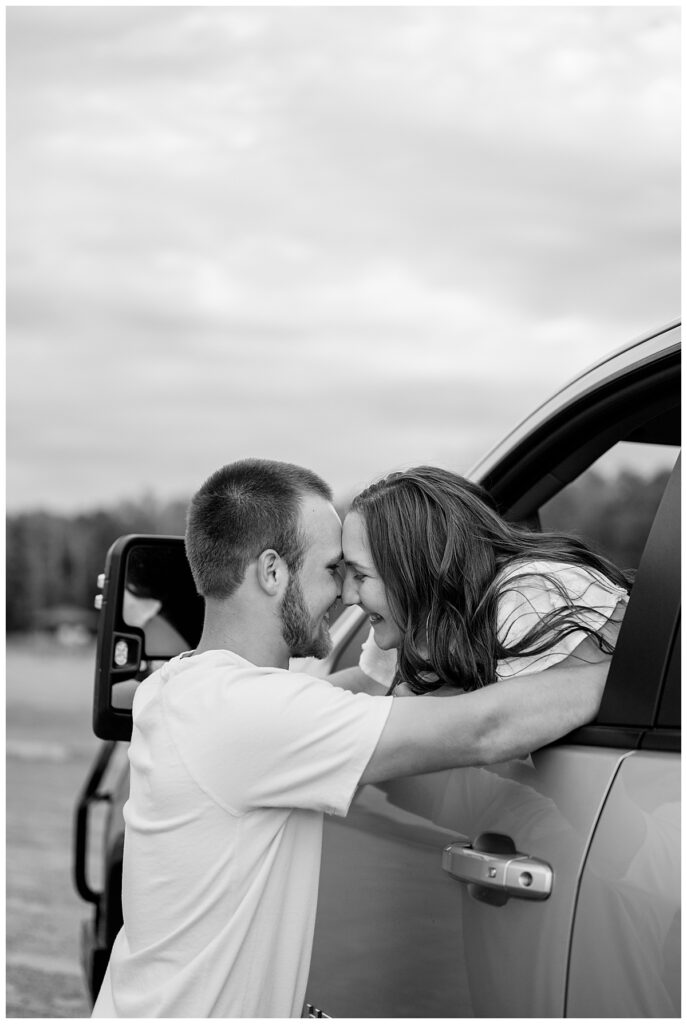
x=403 y=690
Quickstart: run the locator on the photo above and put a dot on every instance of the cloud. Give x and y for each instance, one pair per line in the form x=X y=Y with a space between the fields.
x=282 y=227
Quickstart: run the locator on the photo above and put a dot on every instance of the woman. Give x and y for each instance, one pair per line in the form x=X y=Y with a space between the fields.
x=460 y=597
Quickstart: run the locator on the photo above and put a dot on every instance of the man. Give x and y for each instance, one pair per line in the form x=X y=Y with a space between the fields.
x=234 y=759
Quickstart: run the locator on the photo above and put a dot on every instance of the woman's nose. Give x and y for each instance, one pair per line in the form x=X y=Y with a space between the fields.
x=349 y=591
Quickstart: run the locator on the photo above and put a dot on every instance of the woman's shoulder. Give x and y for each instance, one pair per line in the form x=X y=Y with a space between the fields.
x=531 y=590
x=548 y=576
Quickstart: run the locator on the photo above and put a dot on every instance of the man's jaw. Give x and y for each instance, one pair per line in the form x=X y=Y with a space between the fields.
x=319 y=644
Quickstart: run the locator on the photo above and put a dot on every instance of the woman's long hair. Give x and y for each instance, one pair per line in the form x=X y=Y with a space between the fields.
x=439 y=545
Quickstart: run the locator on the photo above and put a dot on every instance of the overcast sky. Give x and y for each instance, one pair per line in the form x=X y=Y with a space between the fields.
x=353 y=238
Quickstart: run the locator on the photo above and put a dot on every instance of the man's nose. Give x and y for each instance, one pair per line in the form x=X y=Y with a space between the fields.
x=349 y=591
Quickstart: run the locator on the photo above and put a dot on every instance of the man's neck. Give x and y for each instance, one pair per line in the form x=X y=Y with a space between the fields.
x=258 y=642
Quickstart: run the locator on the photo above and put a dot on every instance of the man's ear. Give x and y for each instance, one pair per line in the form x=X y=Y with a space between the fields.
x=271 y=571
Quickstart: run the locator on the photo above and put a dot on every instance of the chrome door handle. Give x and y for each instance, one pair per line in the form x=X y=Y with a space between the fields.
x=495 y=876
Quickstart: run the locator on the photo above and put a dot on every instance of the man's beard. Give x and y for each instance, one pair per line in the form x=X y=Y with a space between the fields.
x=297 y=627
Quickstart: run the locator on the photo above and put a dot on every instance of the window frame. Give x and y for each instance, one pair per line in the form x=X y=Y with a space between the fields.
x=578 y=433
x=645 y=669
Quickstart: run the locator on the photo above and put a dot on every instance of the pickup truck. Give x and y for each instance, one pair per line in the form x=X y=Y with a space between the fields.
x=544 y=887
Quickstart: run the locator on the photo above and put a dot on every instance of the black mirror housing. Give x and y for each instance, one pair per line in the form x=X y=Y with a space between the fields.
x=150 y=612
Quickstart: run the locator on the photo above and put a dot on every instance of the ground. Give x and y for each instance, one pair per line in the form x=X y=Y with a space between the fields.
x=50 y=746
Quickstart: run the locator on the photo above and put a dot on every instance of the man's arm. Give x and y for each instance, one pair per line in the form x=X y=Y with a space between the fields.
x=505 y=720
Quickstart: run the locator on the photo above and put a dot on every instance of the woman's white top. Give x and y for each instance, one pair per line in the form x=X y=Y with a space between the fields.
x=527 y=596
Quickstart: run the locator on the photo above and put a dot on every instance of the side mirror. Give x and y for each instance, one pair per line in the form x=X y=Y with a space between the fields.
x=150 y=612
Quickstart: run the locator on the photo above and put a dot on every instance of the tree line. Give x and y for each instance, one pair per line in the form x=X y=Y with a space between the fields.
x=53 y=560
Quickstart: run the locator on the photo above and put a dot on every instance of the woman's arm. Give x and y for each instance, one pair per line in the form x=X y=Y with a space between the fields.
x=355 y=679
x=374 y=672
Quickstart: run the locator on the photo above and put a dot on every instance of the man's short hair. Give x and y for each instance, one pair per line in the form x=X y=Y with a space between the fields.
x=243 y=509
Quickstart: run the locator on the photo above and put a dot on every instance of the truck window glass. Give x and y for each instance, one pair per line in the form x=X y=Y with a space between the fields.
x=611 y=506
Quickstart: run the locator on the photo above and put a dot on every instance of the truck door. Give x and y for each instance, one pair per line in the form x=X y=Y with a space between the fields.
x=455 y=894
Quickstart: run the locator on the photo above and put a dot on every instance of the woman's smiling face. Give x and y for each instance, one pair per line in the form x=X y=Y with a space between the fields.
x=363 y=585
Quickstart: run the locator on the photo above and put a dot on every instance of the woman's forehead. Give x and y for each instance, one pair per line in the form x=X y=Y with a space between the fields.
x=356 y=547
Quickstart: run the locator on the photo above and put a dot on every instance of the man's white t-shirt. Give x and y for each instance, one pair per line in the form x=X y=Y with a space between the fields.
x=232 y=768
